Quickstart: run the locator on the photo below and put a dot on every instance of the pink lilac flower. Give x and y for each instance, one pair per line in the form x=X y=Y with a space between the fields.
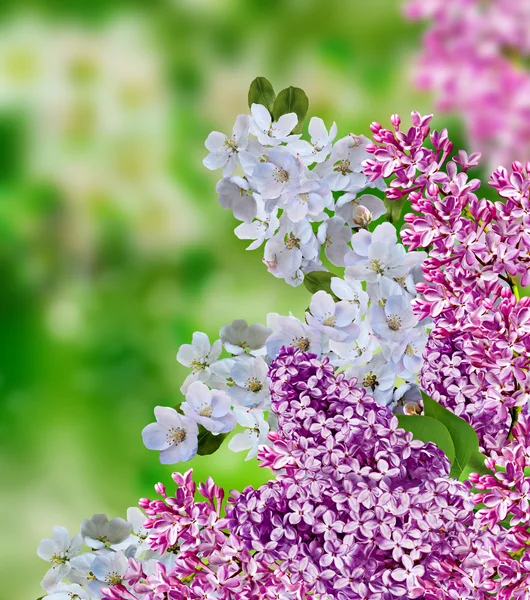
x=209 y=562
x=477 y=248
x=488 y=44
x=358 y=509
x=504 y=497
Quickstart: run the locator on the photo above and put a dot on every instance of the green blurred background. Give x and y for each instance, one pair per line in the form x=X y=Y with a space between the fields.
x=113 y=248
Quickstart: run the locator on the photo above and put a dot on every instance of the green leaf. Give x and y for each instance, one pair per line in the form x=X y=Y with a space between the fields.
x=428 y=429
x=291 y=100
x=208 y=442
x=475 y=464
x=261 y=92
x=394 y=209
x=319 y=280
x=464 y=437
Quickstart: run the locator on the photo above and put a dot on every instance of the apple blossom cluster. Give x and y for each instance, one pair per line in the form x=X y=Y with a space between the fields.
x=359 y=509
x=373 y=335
x=476 y=359
x=299 y=197
x=83 y=575
x=175 y=549
x=488 y=44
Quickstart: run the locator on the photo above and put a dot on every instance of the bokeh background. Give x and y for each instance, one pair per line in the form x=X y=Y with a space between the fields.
x=113 y=248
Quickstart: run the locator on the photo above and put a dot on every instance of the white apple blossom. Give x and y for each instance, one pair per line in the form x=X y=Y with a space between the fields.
x=81 y=572
x=209 y=408
x=279 y=175
x=59 y=551
x=309 y=200
x=320 y=146
x=377 y=377
x=251 y=385
x=262 y=228
x=255 y=434
x=407 y=354
x=239 y=337
x=380 y=291
x=254 y=155
x=235 y=194
x=108 y=570
x=285 y=251
x=271 y=133
x=343 y=170
x=199 y=356
x=334 y=235
x=99 y=532
x=392 y=320
x=224 y=150
x=334 y=319
x=377 y=254
x=358 y=352
x=290 y=332
x=174 y=435
x=138 y=535
x=220 y=378
x=350 y=290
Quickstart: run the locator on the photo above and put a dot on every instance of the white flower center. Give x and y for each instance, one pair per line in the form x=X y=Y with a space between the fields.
x=409 y=350
x=113 y=578
x=375 y=265
x=199 y=364
x=59 y=559
x=206 y=411
x=280 y=175
x=301 y=342
x=291 y=241
x=304 y=197
x=253 y=385
x=394 y=322
x=330 y=320
x=370 y=380
x=343 y=167
x=230 y=143
x=176 y=435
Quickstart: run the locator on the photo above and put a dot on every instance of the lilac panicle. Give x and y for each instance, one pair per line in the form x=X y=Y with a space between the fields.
x=359 y=509
x=477 y=357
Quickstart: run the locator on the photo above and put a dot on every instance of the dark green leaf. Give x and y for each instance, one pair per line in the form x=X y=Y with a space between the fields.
x=208 y=442
x=261 y=92
x=394 y=209
x=291 y=100
x=319 y=280
x=464 y=437
x=428 y=429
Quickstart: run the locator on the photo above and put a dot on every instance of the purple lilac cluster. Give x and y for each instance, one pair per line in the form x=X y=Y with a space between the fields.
x=505 y=499
x=207 y=563
x=359 y=509
x=477 y=357
x=487 y=43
